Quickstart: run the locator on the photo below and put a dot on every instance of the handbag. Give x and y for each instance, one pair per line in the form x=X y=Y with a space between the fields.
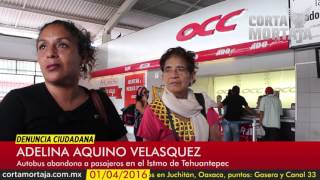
x=96 y=98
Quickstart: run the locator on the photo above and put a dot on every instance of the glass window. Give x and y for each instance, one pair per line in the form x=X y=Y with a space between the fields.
x=38 y=70
x=7 y=66
x=17 y=74
x=26 y=67
x=9 y=82
x=39 y=79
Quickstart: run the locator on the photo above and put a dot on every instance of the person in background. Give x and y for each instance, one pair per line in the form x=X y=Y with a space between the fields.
x=259 y=101
x=229 y=92
x=270 y=112
x=142 y=96
x=180 y=114
x=219 y=99
x=60 y=105
x=225 y=107
x=232 y=117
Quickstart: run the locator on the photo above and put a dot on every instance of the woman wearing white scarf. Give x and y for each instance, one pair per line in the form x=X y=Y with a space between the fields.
x=177 y=115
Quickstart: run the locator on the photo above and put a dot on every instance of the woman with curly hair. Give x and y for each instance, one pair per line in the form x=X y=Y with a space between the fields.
x=60 y=105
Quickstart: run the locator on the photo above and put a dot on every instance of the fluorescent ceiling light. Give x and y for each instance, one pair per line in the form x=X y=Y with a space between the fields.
x=19 y=32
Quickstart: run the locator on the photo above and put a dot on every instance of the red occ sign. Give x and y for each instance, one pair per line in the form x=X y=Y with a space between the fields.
x=200 y=29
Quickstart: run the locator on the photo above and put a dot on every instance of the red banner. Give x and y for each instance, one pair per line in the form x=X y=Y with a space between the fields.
x=114 y=91
x=245 y=49
x=250 y=48
x=132 y=83
x=163 y=156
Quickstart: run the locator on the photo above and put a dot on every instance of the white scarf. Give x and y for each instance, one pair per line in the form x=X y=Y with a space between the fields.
x=189 y=108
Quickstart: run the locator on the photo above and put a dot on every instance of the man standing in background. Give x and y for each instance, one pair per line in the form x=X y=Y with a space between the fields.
x=270 y=112
x=232 y=116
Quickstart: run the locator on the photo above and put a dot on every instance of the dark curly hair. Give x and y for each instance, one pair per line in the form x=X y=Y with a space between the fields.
x=139 y=93
x=85 y=49
x=187 y=56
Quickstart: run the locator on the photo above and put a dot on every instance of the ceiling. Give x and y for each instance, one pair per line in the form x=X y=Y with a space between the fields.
x=24 y=17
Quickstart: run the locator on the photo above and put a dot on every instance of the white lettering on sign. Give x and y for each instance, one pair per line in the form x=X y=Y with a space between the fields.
x=127 y=68
x=132 y=88
x=108 y=82
x=259 y=45
x=226 y=51
x=145 y=65
x=134 y=81
x=111 y=91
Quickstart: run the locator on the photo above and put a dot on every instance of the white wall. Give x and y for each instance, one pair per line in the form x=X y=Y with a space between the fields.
x=17 y=48
x=102 y=57
x=279 y=60
x=308 y=96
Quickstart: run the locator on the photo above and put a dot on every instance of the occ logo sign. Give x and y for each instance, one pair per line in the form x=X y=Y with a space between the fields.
x=190 y=30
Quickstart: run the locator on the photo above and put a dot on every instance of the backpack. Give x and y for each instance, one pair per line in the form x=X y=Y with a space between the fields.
x=200 y=100
x=128 y=114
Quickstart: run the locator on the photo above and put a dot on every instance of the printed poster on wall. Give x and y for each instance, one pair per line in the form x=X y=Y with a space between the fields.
x=114 y=91
x=132 y=83
x=111 y=87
